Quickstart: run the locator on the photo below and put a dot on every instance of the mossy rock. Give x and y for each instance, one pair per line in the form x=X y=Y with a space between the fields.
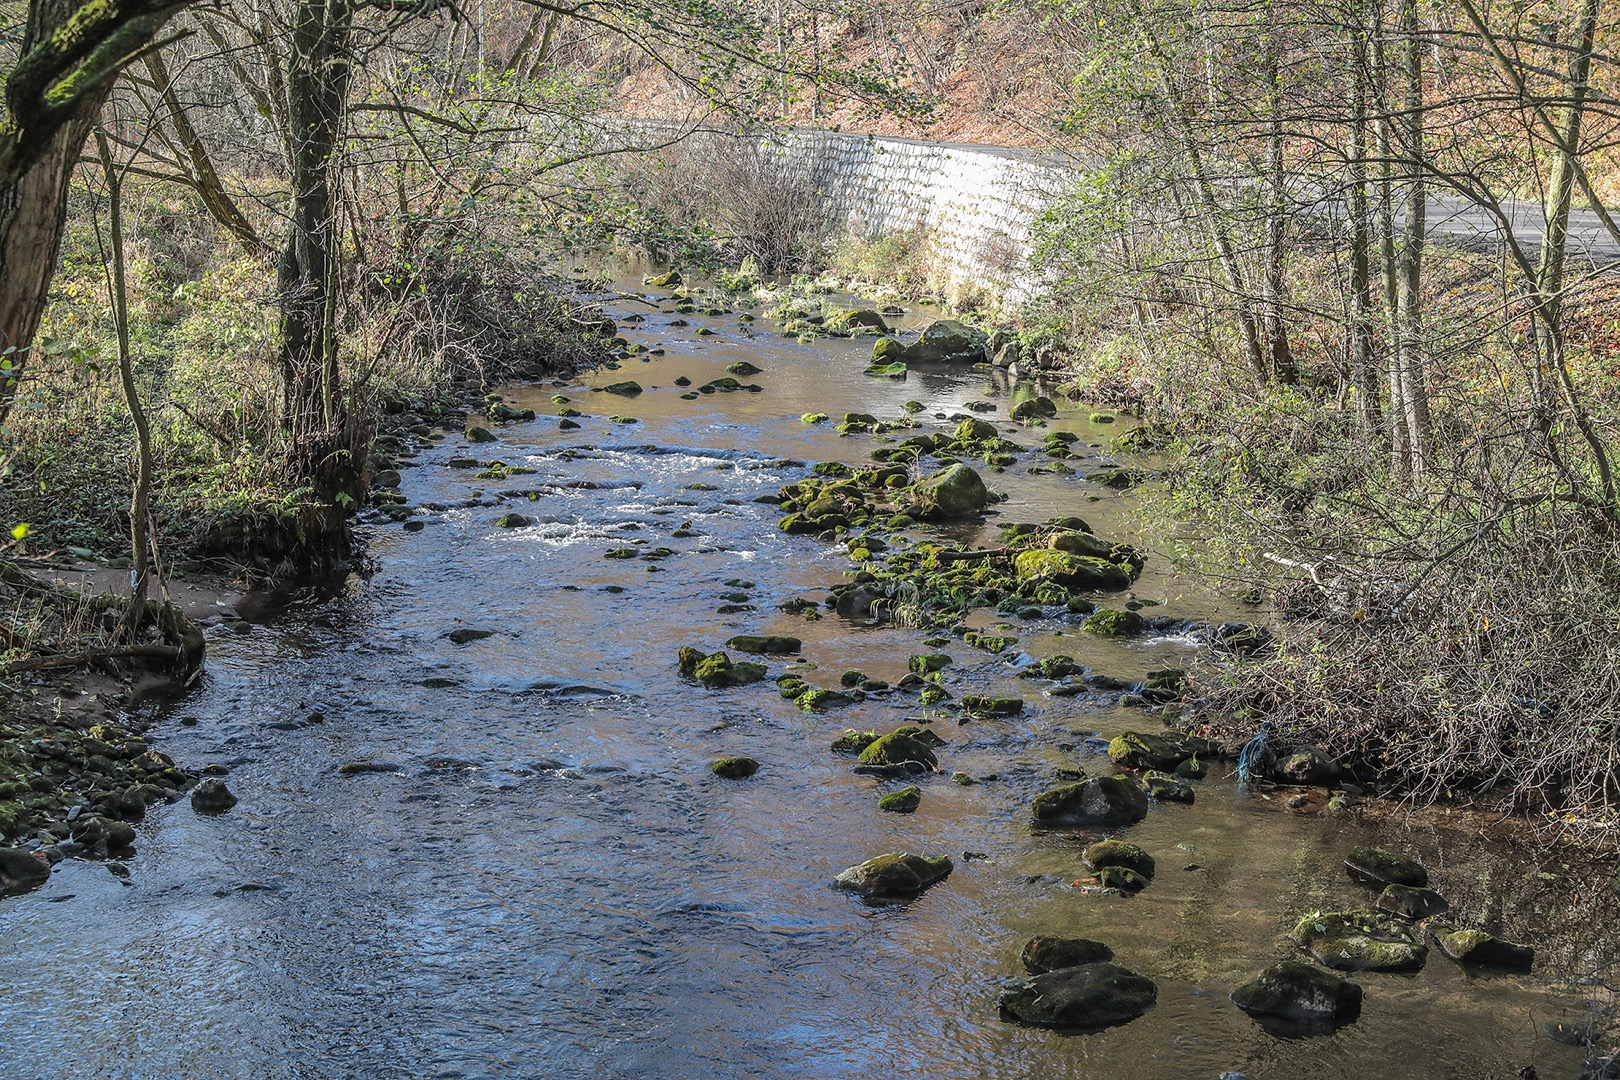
x=735 y=768
x=817 y=699
x=669 y=280
x=993 y=706
x=953 y=492
x=1360 y=941
x=628 y=388
x=1374 y=866
x=895 y=876
x=1477 y=948
x=928 y=663
x=1111 y=622
x=1299 y=992
x=975 y=430
x=743 y=369
x=767 y=645
x=904 y=801
x=900 y=747
x=478 y=434
x=1101 y=800
x=1085 y=998
x=1044 y=953
x=1081 y=573
x=887 y=371
x=864 y=320
x=887 y=350
x=934 y=695
x=513 y=521
x=717 y=670
x=1153 y=750
x=1118 y=853
x=1122 y=878
x=853 y=742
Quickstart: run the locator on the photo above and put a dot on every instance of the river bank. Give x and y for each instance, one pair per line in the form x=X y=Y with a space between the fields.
x=500 y=850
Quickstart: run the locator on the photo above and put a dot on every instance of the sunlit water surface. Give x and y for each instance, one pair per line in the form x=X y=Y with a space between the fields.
x=554 y=885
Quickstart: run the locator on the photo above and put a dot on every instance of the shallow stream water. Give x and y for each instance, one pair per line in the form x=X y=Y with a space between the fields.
x=550 y=882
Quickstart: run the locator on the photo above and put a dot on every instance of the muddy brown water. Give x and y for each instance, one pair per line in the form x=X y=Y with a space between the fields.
x=552 y=884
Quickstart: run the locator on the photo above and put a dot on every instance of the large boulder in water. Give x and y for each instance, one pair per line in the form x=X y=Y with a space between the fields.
x=1102 y=800
x=896 y=876
x=947 y=339
x=1087 y=997
x=956 y=491
x=1300 y=992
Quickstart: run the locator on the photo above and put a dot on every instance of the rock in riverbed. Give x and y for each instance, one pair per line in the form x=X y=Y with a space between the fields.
x=20 y=871
x=1118 y=853
x=1373 y=866
x=212 y=797
x=1084 y=998
x=893 y=877
x=1301 y=992
x=1476 y=947
x=1102 y=800
x=1360 y=941
x=735 y=768
x=1043 y=954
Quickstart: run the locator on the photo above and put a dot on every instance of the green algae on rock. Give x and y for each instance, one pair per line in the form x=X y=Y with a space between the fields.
x=904 y=801
x=735 y=768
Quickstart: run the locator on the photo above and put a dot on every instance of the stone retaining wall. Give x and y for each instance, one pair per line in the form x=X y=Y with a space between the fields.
x=973 y=204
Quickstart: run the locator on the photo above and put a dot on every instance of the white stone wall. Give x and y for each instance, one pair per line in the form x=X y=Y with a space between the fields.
x=974 y=205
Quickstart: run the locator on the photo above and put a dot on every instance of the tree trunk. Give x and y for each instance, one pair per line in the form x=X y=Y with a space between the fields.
x=314 y=417
x=140 y=502
x=1279 y=355
x=1414 y=391
x=1363 y=374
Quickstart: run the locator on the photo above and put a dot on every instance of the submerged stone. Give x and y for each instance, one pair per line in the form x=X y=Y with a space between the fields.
x=1118 y=853
x=1043 y=954
x=1122 y=878
x=896 y=876
x=770 y=645
x=1167 y=788
x=993 y=706
x=853 y=742
x=1371 y=866
x=1088 y=997
x=1101 y=800
x=1410 y=903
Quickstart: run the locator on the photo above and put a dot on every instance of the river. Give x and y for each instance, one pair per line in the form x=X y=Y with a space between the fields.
x=543 y=878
